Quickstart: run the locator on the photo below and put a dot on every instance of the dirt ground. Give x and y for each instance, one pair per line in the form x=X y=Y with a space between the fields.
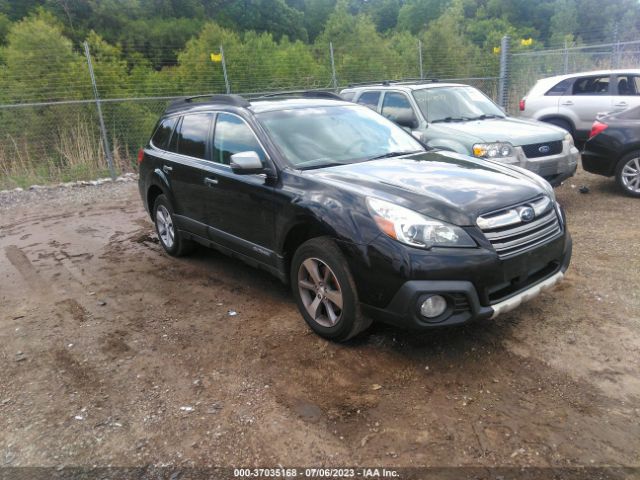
x=113 y=353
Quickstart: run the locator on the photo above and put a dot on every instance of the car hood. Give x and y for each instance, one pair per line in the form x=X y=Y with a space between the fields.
x=445 y=185
x=513 y=130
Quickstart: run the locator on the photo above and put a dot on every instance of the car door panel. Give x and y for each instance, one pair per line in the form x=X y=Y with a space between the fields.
x=588 y=96
x=626 y=92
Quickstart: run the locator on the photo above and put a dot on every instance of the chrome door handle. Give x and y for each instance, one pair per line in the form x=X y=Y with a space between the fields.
x=210 y=182
x=621 y=104
x=569 y=102
x=167 y=169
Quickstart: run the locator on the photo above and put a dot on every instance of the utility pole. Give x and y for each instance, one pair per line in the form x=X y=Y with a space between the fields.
x=224 y=71
x=334 y=79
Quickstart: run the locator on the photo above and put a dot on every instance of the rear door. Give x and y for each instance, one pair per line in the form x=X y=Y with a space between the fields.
x=190 y=148
x=626 y=91
x=588 y=96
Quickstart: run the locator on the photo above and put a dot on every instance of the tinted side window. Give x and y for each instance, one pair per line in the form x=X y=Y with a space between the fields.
x=560 y=88
x=591 y=86
x=163 y=133
x=628 y=85
x=231 y=136
x=193 y=134
x=396 y=105
x=369 y=99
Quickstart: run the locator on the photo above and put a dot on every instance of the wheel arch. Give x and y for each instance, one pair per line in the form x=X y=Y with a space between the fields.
x=300 y=231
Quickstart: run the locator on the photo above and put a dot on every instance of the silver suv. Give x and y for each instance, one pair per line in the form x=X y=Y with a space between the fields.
x=573 y=101
x=460 y=118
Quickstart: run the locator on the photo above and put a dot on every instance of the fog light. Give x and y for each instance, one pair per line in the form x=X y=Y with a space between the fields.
x=434 y=306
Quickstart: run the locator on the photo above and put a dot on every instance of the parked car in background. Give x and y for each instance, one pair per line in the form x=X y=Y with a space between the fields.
x=353 y=212
x=613 y=149
x=460 y=118
x=572 y=101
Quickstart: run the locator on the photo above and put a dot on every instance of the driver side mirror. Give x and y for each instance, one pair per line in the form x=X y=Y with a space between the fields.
x=406 y=119
x=246 y=163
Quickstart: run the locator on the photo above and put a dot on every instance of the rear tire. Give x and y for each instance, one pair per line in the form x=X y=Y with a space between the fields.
x=171 y=239
x=325 y=291
x=628 y=174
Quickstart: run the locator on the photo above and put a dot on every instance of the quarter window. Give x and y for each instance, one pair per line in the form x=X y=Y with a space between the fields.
x=232 y=135
x=560 y=88
x=162 y=134
x=369 y=99
x=591 y=86
x=193 y=134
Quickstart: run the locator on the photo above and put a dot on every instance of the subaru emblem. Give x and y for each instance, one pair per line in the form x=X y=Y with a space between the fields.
x=544 y=149
x=526 y=214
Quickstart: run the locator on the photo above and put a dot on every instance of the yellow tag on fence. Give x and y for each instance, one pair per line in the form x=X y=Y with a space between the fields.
x=216 y=57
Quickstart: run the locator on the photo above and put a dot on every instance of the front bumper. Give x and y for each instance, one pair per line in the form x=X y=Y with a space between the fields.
x=553 y=168
x=467 y=299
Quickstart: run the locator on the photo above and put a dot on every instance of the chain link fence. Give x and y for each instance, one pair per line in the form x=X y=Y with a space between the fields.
x=51 y=130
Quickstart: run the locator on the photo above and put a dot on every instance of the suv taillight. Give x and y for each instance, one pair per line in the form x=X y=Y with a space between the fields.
x=140 y=156
x=522 y=102
x=596 y=128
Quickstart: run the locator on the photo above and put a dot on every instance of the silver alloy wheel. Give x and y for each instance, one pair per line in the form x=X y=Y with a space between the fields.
x=320 y=292
x=164 y=222
x=631 y=175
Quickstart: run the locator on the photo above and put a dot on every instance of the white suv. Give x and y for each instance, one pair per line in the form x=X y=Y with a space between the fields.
x=573 y=101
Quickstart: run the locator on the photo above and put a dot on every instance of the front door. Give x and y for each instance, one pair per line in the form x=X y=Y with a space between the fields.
x=239 y=208
x=588 y=96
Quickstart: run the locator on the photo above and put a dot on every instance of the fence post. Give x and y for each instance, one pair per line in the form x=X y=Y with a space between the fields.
x=103 y=130
x=420 y=58
x=334 y=78
x=565 y=55
x=503 y=83
x=224 y=71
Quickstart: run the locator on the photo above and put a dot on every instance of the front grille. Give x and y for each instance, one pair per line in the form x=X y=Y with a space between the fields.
x=513 y=236
x=536 y=150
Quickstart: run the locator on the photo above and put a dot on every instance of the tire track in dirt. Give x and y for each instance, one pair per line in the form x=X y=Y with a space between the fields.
x=26 y=269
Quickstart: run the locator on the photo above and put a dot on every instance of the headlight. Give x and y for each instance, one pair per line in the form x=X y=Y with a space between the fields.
x=493 y=150
x=413 y=229
x=569 y=138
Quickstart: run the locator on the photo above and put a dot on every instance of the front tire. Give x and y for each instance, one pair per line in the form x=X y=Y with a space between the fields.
x=628 y=174
x=325 y=291
x=170 y=237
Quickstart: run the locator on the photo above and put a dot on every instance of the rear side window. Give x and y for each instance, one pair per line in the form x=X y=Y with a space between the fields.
x=193 y=134
x=162 y=134
x=591 y=86
x=369 y=99
x=396 y=105
x=231 y=136
x=560 y=88
x=628 y=85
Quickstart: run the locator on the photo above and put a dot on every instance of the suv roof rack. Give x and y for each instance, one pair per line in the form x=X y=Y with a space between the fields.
x=402 y=81
x=304 y=93
x=235 y=100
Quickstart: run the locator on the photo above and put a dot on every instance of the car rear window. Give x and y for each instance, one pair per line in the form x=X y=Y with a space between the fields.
x=192 y=135
x=369 y=99
x=163 y=132
x=560 y=88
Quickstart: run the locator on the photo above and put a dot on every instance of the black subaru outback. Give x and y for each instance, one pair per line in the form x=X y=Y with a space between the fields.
x=361 y=219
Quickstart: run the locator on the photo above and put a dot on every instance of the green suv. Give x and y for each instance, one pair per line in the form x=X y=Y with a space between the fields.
x=462 y=119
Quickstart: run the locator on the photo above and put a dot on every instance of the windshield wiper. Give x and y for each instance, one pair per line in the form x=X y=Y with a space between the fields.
x=393 y=154
x=486 y=116
x=451 y=119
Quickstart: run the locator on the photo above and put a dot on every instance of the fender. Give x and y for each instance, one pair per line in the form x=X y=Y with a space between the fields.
x=450 y=145
x=158 y=178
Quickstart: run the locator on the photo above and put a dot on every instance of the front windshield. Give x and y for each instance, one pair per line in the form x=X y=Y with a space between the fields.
x=317 y=137
x=451 y=104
